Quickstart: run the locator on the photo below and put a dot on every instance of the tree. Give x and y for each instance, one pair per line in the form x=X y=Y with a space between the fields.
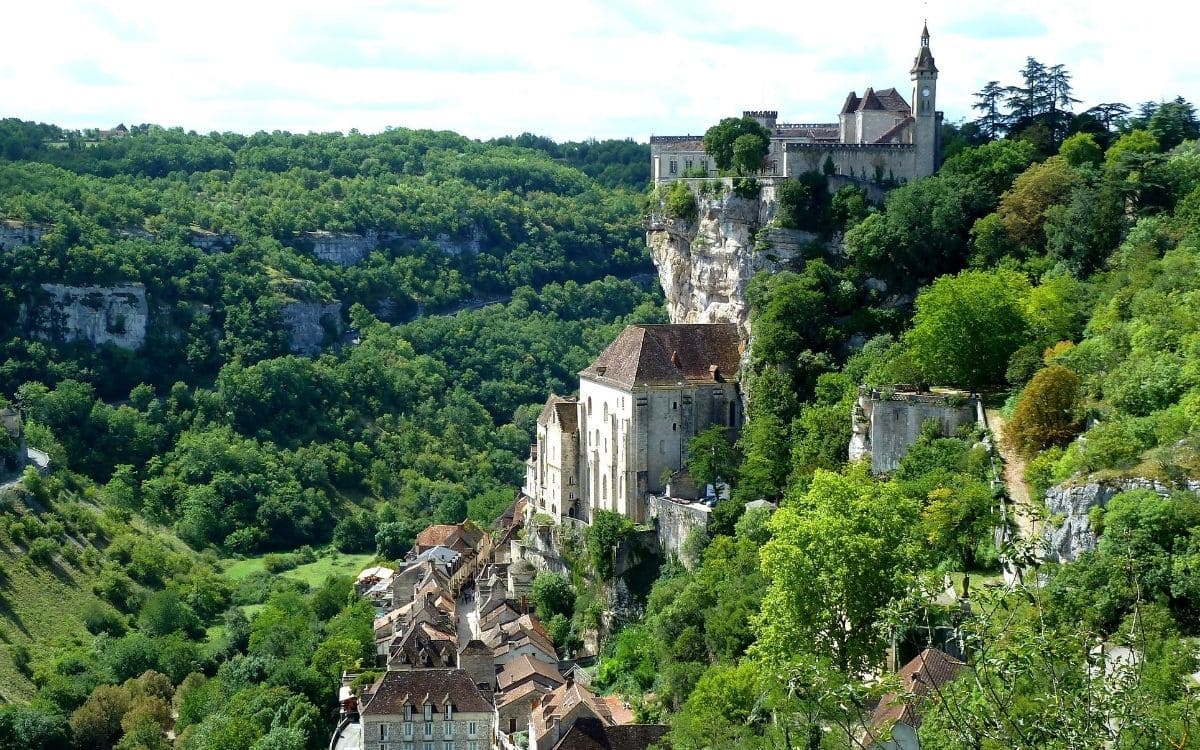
x=1023 y=207
x=711 y=456
x=354 y=534
x=1047 y=412
x=552 y=595
x=607 y=531
x=721 y=142
x=838 y=554
x=1081 y=149
x=967 y=326
x=988 y=101
x=1173 y=123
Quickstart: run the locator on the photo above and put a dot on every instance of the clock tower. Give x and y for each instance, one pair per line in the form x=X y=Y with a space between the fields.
x=927 y=125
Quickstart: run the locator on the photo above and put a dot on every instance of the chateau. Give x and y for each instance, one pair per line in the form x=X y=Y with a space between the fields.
x=640 y=402
x=878 y=137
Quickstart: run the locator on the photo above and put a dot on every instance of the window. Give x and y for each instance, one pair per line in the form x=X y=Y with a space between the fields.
x=408 y=746
x=448 y=745
x=428 y=711
x=427 y=746
x=512 y=726
x=687 y=164
x=674 y=166
x=448 y=729
x=472 y=729
x=674 y=427
x=429 y=729
x=604 y=487
x=383 y=732
x=674 y=405
x=605 y=410
x=473 y=745
x=408 y=730
x=408 y=712
x=447 y=711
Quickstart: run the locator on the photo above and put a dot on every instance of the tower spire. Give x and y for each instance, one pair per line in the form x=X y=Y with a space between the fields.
x=925 y=34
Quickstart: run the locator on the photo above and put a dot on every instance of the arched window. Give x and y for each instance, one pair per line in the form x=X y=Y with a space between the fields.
x=589 y=406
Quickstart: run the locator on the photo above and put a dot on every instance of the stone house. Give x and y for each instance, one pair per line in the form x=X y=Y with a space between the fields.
x=640 y=402
x=427 y=708
x=593 y=734
x=519 y=684
x=898 y=714
x=554 y=714
x=878 y=136
x=552 y=472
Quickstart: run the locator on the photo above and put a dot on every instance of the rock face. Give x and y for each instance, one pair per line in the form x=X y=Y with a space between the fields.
x=308 y=322
x=14 y=234
x=99 y=315
x=346 y=248
x=704 y=264
x=1072 y=502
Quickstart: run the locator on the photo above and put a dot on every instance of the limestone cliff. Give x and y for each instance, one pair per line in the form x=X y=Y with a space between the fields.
x=348 y=248
x=14 y=234
x=705 y=263
x=1069 y=531
x=307 y=324
x=96 y=314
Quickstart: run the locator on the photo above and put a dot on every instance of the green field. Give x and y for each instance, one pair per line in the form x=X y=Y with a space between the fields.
x=331 y=563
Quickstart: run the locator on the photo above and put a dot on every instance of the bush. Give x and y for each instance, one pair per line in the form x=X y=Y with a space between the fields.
x=100 y=619
x=1047 y=412
x=680 y=203
x=42 y=550
x=278 y=563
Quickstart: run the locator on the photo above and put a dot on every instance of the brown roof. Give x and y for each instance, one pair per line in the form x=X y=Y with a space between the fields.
x=524 y=692
x=869 y=101
x=565 y=409
x=525 y=668
x=923 y=62
x=591 y=734
x=667 y=354
x=822 y=132
x=892 y=100
x=927 y=672
x=895 y=130
x=563 y=700
x=453 y=535
x=418 y=687
x=851 y=103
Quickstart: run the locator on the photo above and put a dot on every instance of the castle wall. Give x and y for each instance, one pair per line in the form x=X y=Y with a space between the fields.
x=874 y=162
x=674 y=521
x=885 y=426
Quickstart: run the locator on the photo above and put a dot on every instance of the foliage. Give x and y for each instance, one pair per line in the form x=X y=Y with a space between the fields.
x=604 y=536
x=712 y=457
x=552 y=595
x=967 y=326
x=739 y=143
x=1047 y=413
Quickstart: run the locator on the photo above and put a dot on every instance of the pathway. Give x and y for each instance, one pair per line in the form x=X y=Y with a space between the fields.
x=1024 y=512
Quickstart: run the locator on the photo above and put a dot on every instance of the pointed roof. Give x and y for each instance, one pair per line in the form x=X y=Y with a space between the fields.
x=668 y=354
x=923 y=62
x=851 y=103
x=927 y=672
x=564 y=409
x=892 y=100
x=870 y=102
x=895 y=130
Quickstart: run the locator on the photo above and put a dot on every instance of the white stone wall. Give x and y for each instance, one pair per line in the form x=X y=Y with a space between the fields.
x=393 y=737
x=604 y=452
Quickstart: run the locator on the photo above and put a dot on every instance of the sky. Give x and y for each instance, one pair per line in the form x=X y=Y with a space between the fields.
x=569 y=69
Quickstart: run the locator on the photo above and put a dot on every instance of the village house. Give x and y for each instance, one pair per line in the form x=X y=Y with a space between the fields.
x=428 y=706
x=898 y=714
x=555 y=713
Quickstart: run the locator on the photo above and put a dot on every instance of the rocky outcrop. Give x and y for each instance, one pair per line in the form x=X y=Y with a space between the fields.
x=704 y=264
x=348 y=248
x=14 y=234
x=210 y=242
x=1068 y=533
x=308 y=324
x=99 y=315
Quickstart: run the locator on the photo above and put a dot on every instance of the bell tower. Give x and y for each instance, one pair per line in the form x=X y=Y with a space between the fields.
x=927 y=125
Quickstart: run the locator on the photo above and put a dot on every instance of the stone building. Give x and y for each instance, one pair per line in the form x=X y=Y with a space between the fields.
x=640 y=402
x=885 y=423
x=878 y=137
x=440 y=708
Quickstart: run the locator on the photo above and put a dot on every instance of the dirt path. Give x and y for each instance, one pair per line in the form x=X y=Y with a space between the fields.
x=1014 y=479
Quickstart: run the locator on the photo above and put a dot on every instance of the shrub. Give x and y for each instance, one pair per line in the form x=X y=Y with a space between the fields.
x=680 y=203
x=277 y=563
x=42 y=550
x=1047 y=412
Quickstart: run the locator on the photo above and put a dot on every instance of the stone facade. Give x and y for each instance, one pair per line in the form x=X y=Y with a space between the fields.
x=98 y=315
x=640 y=402
x=879 y=137
x=885 y=423
x=421 y=707
x=675 y=521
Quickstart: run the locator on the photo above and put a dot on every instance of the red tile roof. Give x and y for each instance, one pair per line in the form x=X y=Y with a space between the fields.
x=926 y=673
x=592 y=734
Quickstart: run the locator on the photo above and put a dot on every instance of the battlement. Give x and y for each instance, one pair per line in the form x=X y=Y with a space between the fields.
x=760 y=113
x=674 y=138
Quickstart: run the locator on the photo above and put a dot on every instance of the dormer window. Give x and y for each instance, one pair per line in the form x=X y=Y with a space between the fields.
x=428 y=712
x=447 y=713
x=408 y=712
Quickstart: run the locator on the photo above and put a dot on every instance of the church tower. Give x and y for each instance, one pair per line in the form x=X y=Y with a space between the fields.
x=927 y=136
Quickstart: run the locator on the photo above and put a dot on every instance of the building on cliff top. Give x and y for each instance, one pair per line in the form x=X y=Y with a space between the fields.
x=878 y=137
x=884 y=423
x=640 y=402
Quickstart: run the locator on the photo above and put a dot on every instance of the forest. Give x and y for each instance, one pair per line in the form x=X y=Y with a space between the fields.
x=159 y=575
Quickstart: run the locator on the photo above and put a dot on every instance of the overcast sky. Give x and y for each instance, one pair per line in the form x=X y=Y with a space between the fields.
x=570 y=69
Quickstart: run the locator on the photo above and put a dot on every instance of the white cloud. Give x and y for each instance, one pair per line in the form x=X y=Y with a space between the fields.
x=569 y=69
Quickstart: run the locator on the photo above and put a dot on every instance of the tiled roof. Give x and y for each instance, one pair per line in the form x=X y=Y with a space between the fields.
x=669 y=354
x=892 y=100
x=592 y=734
x=895 y=130
x=525 y=668
x=931 y=669
x=526 y=692
x=563 y=700
x=851 y=103
x=419 y=687
x=870 y=102
x=452 y=535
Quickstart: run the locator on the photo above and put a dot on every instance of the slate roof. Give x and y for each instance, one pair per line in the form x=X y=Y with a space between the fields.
x=895 y=130
x=667 y=354
x=588 y=733
x=927 y=672
x=421 y=686
x=923 y=62
x=892 y=100
x=888 y=99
